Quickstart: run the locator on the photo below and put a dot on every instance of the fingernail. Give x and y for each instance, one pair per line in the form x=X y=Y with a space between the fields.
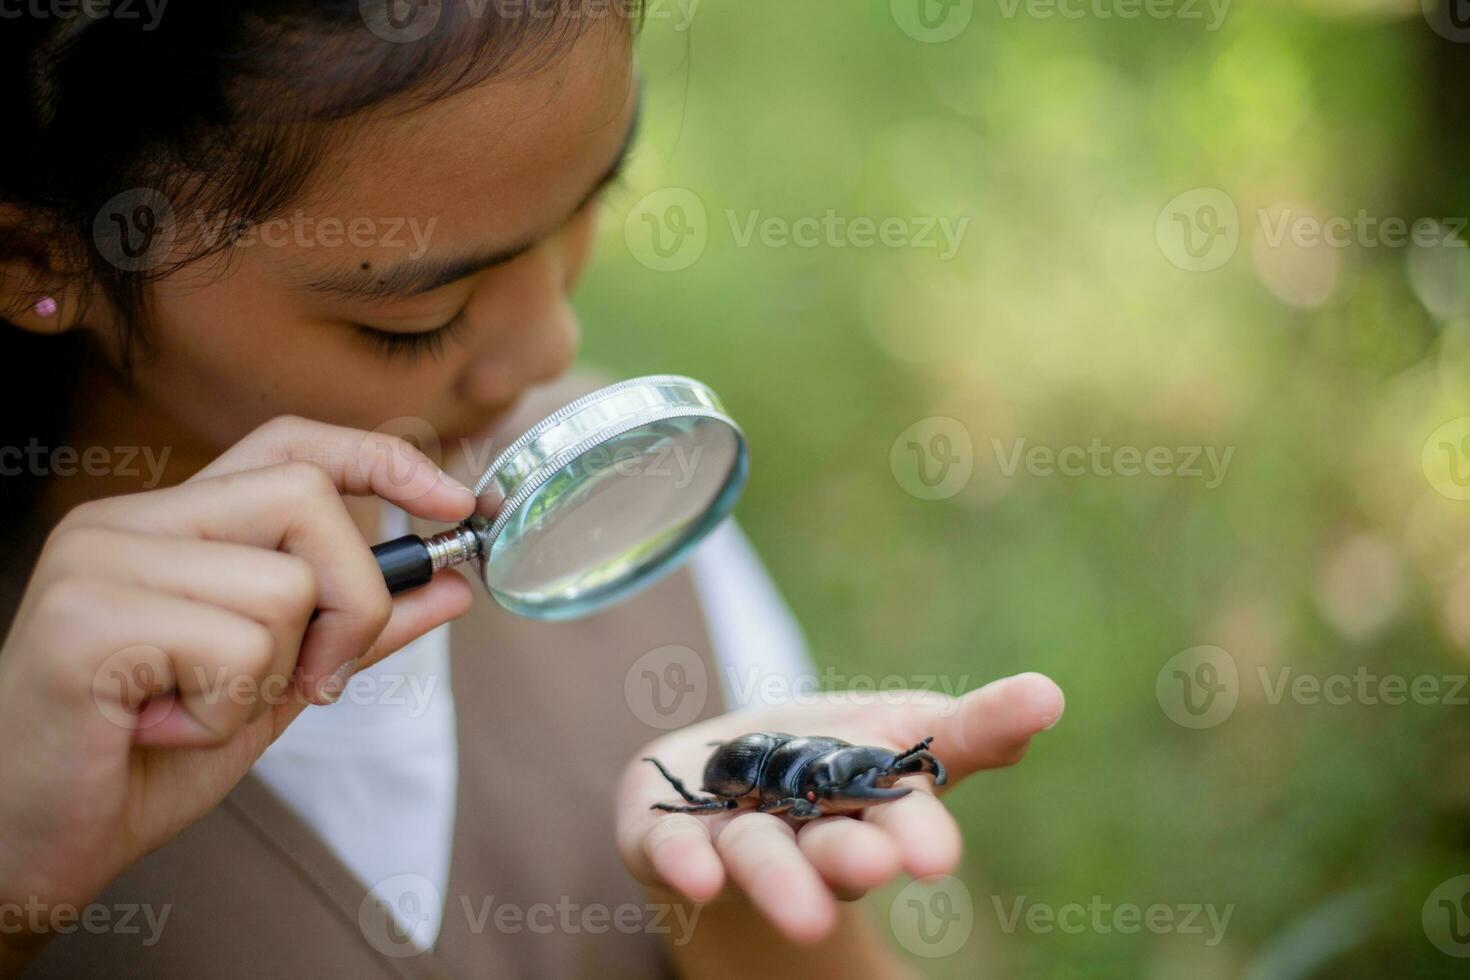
x=1061 y=710
x=452 y=483
x=332 y=688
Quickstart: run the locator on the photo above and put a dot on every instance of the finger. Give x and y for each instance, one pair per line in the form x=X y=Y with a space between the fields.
x=276 y=590
x=643 y=831
x=679 y=852
x=924 y=833
x=293 y=507
x=850 y=855
x=447 y=597
x=761 y=856
x=988 y=728
x=359 y=463
x=142 y=645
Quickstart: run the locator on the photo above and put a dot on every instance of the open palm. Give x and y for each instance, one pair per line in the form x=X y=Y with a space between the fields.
x=795 y=872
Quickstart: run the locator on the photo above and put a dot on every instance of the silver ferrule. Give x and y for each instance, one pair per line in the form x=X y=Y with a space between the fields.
x=453 y=547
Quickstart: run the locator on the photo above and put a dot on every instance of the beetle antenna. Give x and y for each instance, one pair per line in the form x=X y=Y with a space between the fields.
x=675 y=781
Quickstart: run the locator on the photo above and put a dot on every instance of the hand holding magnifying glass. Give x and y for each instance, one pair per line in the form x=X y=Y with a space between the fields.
x=601 y=499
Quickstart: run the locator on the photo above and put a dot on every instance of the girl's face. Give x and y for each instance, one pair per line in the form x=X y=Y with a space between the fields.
x=424 y=274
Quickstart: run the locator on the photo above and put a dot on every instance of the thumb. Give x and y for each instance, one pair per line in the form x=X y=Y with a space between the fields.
x=988 y=728
x=448 y=596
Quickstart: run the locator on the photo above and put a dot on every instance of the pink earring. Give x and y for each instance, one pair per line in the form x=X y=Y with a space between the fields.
x=46 y=307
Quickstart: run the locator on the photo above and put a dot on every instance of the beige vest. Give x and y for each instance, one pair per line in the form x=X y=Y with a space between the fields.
x=544 y=728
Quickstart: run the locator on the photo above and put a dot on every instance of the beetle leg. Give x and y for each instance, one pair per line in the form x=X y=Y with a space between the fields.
x=925 y=763
x=793 y=806
x=915 y=750
x=940 y=776
x=920 y=759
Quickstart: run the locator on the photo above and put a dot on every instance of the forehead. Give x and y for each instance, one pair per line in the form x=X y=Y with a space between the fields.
x=492 y=164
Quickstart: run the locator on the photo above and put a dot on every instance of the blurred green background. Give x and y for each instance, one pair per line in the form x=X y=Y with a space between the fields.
x=1063 y=318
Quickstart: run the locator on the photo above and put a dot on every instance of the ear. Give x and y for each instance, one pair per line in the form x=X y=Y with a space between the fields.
x=33 y=295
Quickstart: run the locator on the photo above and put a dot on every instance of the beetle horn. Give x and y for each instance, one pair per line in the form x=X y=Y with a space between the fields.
x=870 y=792
x=865 y=788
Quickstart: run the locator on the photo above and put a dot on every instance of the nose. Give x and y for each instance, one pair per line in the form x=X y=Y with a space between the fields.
x=525 y=328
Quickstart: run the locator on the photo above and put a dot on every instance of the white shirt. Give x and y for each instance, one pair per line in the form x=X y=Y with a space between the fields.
x=385 y=756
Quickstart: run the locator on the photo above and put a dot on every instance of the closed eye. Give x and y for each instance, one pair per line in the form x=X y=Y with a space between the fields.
x=413 y=346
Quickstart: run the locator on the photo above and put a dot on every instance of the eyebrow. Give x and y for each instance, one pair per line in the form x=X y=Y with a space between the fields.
x=415 y=277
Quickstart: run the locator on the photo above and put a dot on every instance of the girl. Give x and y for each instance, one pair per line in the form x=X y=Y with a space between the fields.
x=245 y=240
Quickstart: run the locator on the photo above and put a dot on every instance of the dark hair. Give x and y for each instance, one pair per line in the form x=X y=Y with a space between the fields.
x=201 y=105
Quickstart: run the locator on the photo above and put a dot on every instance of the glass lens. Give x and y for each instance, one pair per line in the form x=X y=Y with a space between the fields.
x=616 y=518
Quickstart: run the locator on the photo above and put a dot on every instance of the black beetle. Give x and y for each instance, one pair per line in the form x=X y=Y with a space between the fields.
x=802 y=776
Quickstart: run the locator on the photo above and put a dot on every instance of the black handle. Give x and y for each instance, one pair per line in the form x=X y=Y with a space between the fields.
x=405 y=563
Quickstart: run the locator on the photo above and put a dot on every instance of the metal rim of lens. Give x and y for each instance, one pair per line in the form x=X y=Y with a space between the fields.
x=696 y=400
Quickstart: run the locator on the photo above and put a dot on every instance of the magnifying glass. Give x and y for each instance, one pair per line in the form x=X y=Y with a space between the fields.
x=601 y=499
